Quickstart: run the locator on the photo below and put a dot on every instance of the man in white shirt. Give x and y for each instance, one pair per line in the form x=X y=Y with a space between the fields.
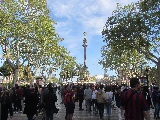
x=109 y=99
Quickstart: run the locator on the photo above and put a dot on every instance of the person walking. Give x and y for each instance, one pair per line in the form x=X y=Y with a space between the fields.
x=117 y=99
x=155 y=100
x=49 y=103
x=134 y=103
x=62 y=93
x=14 y=99
x=109 y=99
x=80 y=94
x=146 y=93
x=6 y=105
x=69 y=101
x=101 y=101
x=88 y=98
x=19 y=94
x=31 y=102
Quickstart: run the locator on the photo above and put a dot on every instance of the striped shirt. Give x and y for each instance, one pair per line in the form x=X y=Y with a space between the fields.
x=136 y=105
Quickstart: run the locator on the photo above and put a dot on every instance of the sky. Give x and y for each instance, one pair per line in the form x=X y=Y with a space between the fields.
x=74 y=17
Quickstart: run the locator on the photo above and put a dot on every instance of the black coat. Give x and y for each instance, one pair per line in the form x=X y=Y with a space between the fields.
x=6 y=105
x=31 y=102
x=80 y=94
x=49 y=100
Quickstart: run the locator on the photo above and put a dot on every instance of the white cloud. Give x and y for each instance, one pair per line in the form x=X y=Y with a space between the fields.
x=74 y=17
x=62 y=27
x=91 y=14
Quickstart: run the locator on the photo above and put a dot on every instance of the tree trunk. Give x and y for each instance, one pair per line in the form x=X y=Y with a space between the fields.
x=158 y=70
x=15 y=77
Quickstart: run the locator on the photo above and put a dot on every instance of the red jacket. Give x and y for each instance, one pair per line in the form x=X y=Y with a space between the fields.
x=69 y=97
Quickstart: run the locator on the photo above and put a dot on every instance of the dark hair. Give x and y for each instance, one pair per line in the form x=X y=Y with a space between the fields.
x=155 y=88
x=66 y=86
x=87 y=86
x=145 y=89
x=17 y=87
x=134 y=82
x=101 y=86
x=50 y=89
x=108 y=88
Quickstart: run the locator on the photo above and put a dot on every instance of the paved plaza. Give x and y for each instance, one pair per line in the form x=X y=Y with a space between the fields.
x=78 y=115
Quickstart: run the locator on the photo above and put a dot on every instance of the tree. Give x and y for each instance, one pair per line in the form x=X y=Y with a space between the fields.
x=53 y=80
x=93 y=79
x=68 y=69
x=131 y=32
x=5 y=69
x=27 y=35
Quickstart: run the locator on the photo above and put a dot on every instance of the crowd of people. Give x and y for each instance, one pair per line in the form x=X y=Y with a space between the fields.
x=131 y=103
x=35 y=99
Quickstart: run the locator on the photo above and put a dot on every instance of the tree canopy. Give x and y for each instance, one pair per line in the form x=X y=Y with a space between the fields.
x=131 y=35
x=28 y=36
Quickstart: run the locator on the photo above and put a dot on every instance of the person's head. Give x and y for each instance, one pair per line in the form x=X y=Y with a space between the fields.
x=119 y=89
x=108 y=89
x=101 y=86
x=32 y=89
x=67 y=87
x=87 y=86
x=134 y=83
x=156 y=88
x=81 y=86
x=50 y=89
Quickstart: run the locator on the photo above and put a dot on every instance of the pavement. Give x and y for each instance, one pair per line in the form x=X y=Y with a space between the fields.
x=78 y=115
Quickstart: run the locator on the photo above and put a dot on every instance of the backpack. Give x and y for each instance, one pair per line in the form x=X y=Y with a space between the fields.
x=68 y=97
x=109 y=100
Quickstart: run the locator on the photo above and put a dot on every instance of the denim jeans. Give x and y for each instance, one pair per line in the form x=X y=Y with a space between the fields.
x=49 y=114
x=108 y=107
x=156 y=107
x=88 y=106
